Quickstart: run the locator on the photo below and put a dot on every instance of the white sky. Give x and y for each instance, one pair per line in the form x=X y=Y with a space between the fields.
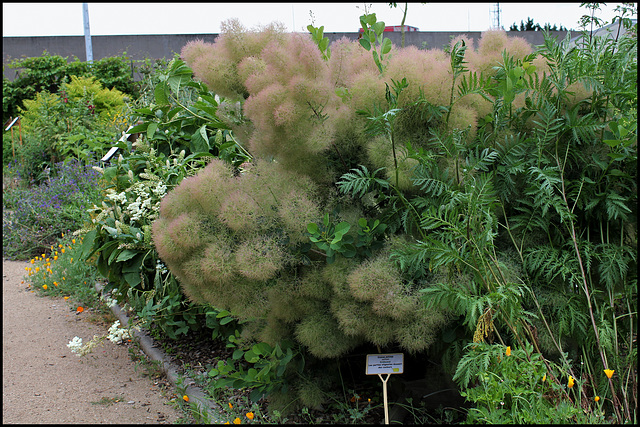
x=48 y=19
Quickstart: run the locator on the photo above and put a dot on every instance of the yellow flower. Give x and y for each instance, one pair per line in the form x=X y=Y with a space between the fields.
x=508 y=352
x=60 y=245
x=597 y=398
x=62 y=250
x=609 y=373
x=66 y=298
x=42 y=256
x=55 y=258
x=230 y=405
x=47 y=260
x=55 y=283
x=44 y=287
x=63 y=278
x=33 y=261
x=71 y=260
x=570 y=383
x=237 y=421
x=37 y=269
x=250 y=415
x=62 y=234
x=544 y=377
x=73 y=241
x=185 y=398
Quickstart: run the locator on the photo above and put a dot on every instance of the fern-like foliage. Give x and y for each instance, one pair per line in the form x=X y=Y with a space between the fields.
x=547 y=263
x=472 y=364
x=360 y=181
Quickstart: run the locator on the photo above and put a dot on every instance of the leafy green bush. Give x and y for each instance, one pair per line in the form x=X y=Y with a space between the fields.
x=49 y=72
x=178 y=136
x=506 y=178
x=77 y=123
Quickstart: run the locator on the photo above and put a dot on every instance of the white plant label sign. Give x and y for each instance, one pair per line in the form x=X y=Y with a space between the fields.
x=391 y=363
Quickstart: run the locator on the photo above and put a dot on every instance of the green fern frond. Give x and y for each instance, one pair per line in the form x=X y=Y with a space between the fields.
x=473 y=85
x=477 y=160
x=476 y=360
x=613 y=263
x=616 y=206
x=359 y=181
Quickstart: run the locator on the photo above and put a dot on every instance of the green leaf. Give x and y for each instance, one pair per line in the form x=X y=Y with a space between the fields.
x=262 y=348
x=386 y=46
x=151 y=130
x=348 y=251
x=251 y=357
x=378 y=27
x=125 y=255
x=199 y=140
x=365 y=43
x=160 y=93
x=226 y=320
x=312 y=228
x=371 y=18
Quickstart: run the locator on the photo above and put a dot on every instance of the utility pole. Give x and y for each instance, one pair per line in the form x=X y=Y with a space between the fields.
x=496 y=18
x=87 y=32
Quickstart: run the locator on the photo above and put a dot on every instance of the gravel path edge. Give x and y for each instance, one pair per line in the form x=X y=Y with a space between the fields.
x=194 y=392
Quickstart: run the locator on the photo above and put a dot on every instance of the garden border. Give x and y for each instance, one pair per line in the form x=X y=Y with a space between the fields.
x=194 y=392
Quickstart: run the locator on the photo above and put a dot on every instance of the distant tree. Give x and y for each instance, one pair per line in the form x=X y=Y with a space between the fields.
x=530 y=25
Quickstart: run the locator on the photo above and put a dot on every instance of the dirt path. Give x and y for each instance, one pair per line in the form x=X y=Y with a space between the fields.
x=43 y=382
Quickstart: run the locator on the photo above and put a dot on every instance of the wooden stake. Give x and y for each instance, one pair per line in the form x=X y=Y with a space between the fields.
x=384 y=396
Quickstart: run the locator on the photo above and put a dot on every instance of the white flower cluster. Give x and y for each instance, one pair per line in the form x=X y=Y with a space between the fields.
x=117 y=334
x=116 y=197
x=109 y=301
x=75 y=345
x=161 y=267
x=80 y=350
x=147 y=203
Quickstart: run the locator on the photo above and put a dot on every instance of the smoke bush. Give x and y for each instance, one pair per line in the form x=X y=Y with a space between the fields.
x=304 y=132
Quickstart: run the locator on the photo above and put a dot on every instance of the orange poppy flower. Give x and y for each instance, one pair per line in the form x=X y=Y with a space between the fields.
x=609 y=373
x=185 y=398
x=508 y=352
x=44 y=287
x=597 y=398
x=570 y=383
x=250 y=415
x=80 y=310
x=237 y=421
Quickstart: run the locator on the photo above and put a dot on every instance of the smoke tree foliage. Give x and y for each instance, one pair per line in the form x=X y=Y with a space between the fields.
x=419 y=200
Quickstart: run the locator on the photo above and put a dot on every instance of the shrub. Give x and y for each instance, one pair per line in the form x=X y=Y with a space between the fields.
x=505 y=195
